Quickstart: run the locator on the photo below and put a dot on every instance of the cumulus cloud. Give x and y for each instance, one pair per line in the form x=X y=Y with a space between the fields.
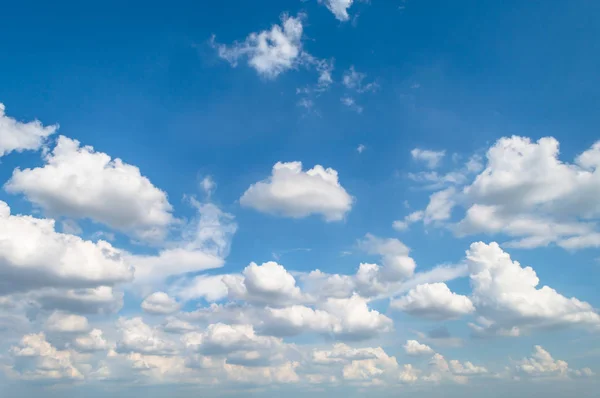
x=91 y=342
x=344 y=318
x=527 y=193
x=430 y=158
x=36 y=359
x=507 y=296
x=414 y=348
x=434 y=301
x=18 y=136
x=78 y=182
x=542 y=365
x=159 y=303
x=138 y=337
x=66 y=323
x=269 y=52
x=33 y=256
x=292 y=192
x=268 y=283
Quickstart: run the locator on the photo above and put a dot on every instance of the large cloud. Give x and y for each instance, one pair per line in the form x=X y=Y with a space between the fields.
x=78 y=182
x=292 y=192
x=507 y=296
x=434 y=301
x=33 y=255
x=17 y=136
x=525 y=192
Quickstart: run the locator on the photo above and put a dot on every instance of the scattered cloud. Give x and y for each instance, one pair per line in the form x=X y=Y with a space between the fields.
x=18 y=136
x=292 y=192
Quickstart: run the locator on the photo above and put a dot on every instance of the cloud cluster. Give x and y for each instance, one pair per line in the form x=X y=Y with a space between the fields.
x=524 y=192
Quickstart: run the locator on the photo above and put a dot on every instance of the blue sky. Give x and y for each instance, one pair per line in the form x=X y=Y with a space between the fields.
x=422 y=128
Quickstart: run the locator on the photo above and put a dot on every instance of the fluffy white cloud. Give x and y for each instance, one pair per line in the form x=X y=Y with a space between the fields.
x=269 y=52
x=160 y=303
x=339 y=8
x=90 y=342
x=269 y=283
x=18 y=136
x=138 y=337
x=434 y=301
x=33 y=255
x=414 y=348
x=66 y=323
x=219 y=339
x=36 y=359
x=542 y=365
x=292 y=192
x=343 y=318
x=527 y=193
x=430 y=158
x=78 y=182
x=455 y=371
x=508 y=297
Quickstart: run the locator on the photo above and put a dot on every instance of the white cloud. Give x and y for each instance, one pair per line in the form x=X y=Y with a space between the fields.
x=33 y=255
x=434 y=301
x=137 y=336
x=350 y=102
x=508 y=297
x=430 y=158
x=292 y=192
x=525 y=192
x=414 y=348
x=344 y=318
x=269 y=283
x=353 y=80
x=91 y=342
x=269 y=52
x=66 y=323
x=42 y=360
x=78 y=182
x=361 y=148
x=542 y=365
x=339 y=8
x=17 y=136
x=159 y=303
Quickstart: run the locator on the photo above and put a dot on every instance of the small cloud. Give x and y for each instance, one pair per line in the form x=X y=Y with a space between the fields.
x=208 y=185
x=415 y=85
x=431 y=158
x=361 y=148
x=351 y=103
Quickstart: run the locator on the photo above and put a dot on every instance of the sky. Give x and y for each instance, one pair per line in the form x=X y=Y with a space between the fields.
x=317 y=197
